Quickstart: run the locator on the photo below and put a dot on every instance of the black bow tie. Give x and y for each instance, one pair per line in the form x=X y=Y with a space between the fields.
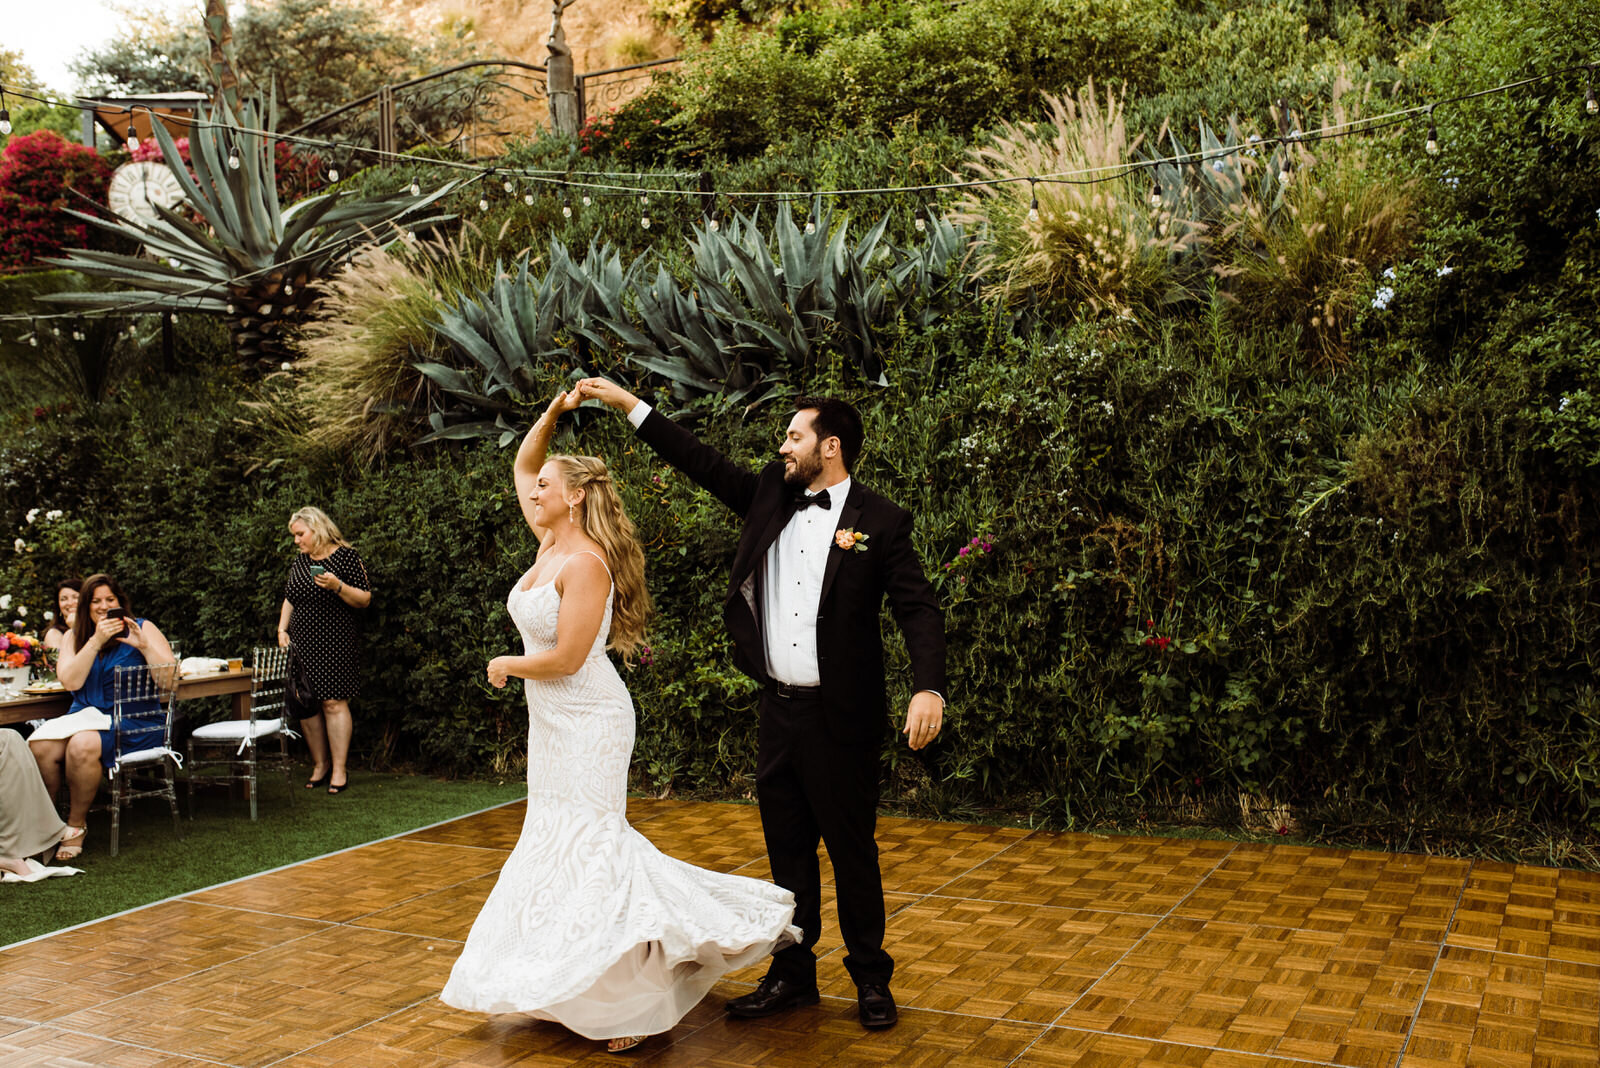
x=802 y=501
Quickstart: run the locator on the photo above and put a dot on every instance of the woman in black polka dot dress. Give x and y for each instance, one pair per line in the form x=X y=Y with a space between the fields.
x=327 y=584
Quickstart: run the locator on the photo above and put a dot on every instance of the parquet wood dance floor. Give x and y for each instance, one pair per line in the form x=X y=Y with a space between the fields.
x=1012 y=947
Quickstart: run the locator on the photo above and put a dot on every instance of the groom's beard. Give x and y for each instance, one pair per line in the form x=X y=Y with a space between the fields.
x=804 y=469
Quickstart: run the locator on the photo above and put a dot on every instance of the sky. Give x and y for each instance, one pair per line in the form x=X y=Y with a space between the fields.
x=50 y=33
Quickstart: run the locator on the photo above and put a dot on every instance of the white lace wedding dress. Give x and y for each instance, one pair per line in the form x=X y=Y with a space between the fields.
x=590 y=925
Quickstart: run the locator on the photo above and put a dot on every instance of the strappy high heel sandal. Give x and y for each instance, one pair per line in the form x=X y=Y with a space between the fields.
x=71 y=846
x=625 y=1045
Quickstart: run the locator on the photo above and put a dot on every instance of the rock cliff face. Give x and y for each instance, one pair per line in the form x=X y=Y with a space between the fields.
x=601 y=33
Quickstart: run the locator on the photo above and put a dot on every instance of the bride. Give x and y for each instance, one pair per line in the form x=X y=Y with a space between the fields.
x=589 y=925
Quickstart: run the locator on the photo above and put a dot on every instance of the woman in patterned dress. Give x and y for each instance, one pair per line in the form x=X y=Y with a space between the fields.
x=326 y=587
x=589 y=924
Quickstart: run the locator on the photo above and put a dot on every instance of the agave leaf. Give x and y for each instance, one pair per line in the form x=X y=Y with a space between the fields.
x=461 y=432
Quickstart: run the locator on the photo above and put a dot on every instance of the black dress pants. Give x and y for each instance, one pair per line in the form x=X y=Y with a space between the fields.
x=813 y=787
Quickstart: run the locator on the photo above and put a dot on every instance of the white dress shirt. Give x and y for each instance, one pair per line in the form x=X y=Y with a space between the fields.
x=791 y=589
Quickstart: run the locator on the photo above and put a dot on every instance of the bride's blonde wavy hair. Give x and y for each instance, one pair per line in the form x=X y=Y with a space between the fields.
x=602 y=518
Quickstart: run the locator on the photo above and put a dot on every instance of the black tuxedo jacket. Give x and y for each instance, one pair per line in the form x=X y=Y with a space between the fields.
x=854 y=585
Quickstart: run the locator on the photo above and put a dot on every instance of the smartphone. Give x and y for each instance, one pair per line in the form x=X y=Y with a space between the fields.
x=317 y=569
x=119 y=613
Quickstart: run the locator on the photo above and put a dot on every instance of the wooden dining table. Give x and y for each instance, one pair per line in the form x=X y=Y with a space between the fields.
x=236 y=684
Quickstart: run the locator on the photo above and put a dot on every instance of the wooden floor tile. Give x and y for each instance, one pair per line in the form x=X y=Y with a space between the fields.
x=982 y=958
x=1081 y=871
x=359 y=882
x=1541 y=912
x=446 y=914
x=1315 y=995
x=50 y=978
x=1396 y=895
x=1011 y=947
x=1486 y=1008
x=1086 y=1049
x=47 y=1047
x=831 y=1034
x=279 y=1001
x=498 y=828
x=719 y=837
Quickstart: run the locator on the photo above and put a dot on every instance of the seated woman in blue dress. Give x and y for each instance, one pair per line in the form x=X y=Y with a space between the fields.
x=101 y=640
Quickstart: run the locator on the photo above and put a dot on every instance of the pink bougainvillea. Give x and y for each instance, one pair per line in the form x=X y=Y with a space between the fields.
x=40 y=173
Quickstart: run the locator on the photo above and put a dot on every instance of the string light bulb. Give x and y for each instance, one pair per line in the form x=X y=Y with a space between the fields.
x=1033 y=205
x=1590 y=104
x=587 y=200
x=1431 y=145
x=811 y=226
x=566 y=208
x=233 y=158
x=1155 y=194
x=483 y=203
x=133 y=137
x=508 y=187
x=527 y=198
x=919 y=221
x=416 y=187
x=644 y=211
x=5 y=115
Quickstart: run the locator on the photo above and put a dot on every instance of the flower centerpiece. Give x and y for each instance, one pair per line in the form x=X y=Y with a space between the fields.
x=19 y=650
x=17 y=655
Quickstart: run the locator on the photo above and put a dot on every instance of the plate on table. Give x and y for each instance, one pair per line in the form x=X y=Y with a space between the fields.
x=45 y=688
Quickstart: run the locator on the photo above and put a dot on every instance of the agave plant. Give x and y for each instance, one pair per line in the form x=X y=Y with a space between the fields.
x=248 y=258
x=510 y=334
x=754 y=320
x=751 y=321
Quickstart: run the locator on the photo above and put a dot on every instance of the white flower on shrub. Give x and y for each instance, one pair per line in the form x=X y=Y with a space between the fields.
x=5 y=601
x=53 y=514
x=1442 y=271
x=19 y=545
x=1563 y=405
x=1382 y=297
x=1106 y=407
x=21 y=611
x=33 y=513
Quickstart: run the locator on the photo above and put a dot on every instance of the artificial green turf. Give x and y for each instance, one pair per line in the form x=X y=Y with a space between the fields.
x=221 y=843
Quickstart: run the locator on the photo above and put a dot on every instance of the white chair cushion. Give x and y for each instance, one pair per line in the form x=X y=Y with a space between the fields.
x=235 y=730
x=147 y=756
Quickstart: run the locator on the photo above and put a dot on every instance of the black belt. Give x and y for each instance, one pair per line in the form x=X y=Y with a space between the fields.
x=789 y=693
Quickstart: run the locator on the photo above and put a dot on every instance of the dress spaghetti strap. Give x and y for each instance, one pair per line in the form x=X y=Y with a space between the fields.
x=581 y=552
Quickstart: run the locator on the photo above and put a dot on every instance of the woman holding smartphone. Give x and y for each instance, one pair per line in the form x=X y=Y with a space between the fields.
x=327 y=586
x=105 y=635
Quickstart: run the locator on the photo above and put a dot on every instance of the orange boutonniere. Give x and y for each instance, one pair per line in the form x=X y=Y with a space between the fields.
x=849 y=540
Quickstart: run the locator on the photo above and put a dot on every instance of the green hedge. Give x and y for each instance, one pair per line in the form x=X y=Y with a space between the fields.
x=1195 y=568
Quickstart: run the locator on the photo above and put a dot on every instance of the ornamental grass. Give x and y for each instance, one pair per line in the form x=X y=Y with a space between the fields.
x=357 y=390
x=1105 y=245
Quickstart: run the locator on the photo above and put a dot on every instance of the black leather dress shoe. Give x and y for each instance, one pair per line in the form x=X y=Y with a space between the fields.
x=877 y=1007
x=775 y=995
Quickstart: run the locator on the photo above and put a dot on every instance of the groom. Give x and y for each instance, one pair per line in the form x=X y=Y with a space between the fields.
x=818 y=554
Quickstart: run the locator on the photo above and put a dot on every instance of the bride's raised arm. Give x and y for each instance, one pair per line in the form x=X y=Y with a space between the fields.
x=531 y=454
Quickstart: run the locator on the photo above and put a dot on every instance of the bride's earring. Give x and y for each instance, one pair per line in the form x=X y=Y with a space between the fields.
x=572 y=513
